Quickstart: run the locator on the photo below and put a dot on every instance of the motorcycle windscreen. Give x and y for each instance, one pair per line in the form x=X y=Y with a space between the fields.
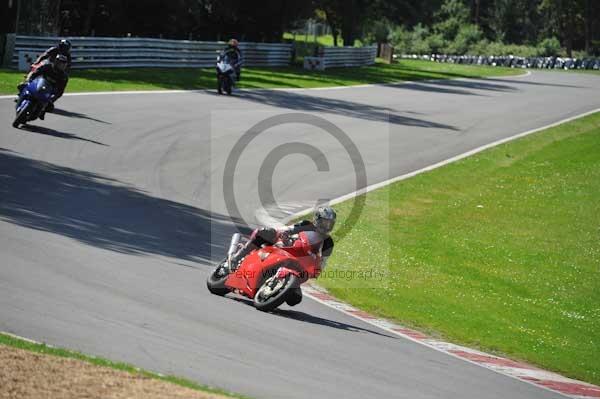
x=224 y=67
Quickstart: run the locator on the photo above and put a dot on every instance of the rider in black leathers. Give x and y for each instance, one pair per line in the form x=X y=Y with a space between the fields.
x=323 y=221
x=235 y=55
x=64 y=48
x=54 y=71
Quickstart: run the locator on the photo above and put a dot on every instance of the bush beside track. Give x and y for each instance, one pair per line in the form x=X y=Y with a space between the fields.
x=257 y=78
x=498 y=251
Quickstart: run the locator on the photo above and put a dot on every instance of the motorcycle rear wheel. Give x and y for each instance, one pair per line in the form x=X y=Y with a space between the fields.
x=216 y=280
x=272 y=302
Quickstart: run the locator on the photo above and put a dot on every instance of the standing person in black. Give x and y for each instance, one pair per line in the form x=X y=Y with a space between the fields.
x=235 y=55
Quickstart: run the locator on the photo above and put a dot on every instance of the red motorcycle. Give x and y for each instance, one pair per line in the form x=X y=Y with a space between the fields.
x=270 y=275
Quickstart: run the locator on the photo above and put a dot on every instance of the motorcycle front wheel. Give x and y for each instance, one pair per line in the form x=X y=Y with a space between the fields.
x=21 y=117
x=216 y=280
x=274 y=291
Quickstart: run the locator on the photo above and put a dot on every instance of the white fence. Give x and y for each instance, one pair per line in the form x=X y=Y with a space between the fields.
x=109 y=52
x=335 y=57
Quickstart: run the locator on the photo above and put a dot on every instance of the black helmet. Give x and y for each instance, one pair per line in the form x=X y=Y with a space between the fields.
x=60 y=62
x=324 y=219
x=64 y=46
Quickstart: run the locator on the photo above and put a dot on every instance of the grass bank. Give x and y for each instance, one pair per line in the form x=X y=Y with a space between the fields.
x=14 y=342
x=499 y=251
x=255 y=78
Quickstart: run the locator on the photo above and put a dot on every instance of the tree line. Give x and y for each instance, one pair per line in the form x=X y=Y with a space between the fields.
x=431 y=24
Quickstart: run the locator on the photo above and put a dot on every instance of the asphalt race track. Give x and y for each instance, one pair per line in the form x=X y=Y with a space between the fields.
x=112 y=212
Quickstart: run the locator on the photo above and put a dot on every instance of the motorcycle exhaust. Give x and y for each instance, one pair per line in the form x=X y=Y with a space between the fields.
x=233 y=247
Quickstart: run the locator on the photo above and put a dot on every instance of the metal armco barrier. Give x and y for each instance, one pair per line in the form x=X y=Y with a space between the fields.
x=348 y=56
x=109 y=52
x=513 y=61
x=336 y=57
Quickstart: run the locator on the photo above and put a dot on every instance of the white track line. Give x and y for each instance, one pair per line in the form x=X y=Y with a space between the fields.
x=128 y=92
x=442 y=163
x=346 y=309
x=31 y=341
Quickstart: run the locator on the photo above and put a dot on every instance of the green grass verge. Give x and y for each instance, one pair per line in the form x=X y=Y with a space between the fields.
x=9 y=340
x=159 y=79
x=500 y=250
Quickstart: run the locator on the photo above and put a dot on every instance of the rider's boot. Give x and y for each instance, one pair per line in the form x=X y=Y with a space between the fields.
x=294 y=297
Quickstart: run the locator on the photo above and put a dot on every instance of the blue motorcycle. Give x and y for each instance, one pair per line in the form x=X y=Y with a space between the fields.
x=32 y=101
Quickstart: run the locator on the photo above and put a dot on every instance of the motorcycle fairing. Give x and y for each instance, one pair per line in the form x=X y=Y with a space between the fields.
x=286 y=260
x=248 y=277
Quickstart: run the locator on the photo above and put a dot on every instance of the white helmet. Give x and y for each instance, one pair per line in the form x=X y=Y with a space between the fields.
x=324 y=219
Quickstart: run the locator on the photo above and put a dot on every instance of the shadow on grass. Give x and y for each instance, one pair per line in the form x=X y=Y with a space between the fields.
x=254 y=77
x=165 y=78
x=292 y=76
x=102 y=212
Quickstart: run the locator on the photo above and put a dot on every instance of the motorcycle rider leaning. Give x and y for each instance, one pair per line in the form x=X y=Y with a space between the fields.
x=64 y=48
x=235 y=55
x=54 y=71
x=321 y=226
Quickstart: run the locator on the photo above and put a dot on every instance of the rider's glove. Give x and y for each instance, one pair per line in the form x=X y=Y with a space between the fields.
x=284 y=235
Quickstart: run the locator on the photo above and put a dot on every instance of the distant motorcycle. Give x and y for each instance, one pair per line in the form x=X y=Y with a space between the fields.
x=270 y=275
x=225 y=74
x=33 y=100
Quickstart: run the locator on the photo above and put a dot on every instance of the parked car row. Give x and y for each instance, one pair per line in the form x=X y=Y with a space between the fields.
x=513 y=61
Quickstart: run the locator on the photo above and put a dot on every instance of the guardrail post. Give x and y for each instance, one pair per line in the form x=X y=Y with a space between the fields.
x=9 y=48
x=314 y=63
x=26 y=58
x=386 y=53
